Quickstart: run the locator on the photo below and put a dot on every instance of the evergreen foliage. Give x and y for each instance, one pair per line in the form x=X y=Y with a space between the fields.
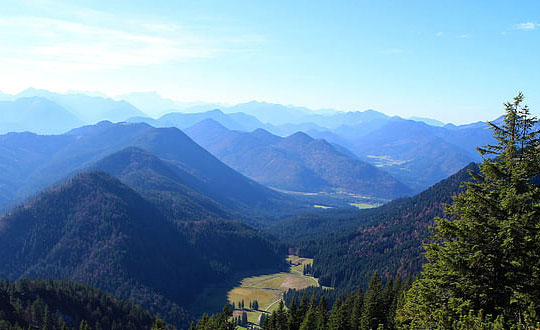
x=55 y=305
x=484 y=265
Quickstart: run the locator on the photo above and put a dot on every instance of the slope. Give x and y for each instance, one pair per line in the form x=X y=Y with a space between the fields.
x=38 y=161
x=99 y=231
x=348 y=246
x=297 y=162
x=55 y=305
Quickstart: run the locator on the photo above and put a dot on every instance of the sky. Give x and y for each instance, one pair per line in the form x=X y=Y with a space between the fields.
x=455 y=61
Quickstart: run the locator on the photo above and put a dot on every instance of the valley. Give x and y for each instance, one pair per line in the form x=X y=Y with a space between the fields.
x=268 y=289
x=269 y=165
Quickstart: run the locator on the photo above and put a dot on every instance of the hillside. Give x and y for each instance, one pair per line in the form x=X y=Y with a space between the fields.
x=55 y=305
x=297 y=162
x=348 y=246
x=32 y=162
x=167 y=186
x=99 y=231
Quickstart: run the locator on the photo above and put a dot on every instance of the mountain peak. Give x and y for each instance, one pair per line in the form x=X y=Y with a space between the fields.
x=299 y=137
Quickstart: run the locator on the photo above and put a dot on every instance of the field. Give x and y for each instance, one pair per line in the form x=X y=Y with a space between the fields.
x=322 y=206
x=268 y=289
x=363 y=205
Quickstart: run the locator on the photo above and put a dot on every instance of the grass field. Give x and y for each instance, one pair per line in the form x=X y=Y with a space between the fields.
x=363 y=205
x=268 y=289
x=322 y=206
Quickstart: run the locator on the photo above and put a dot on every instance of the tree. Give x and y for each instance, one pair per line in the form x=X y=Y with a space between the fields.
x=295 y=319
x=244 y=318
x=322 y=314
x=84 y=325
x=484 y=262
x=159 y=324
x=371 y=307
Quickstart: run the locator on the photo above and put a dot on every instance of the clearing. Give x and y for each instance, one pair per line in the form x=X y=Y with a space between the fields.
x=268 y=289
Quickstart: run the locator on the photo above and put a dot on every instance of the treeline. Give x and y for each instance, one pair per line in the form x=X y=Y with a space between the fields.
x=373 y=309
x=64 y=305
x=320 y=309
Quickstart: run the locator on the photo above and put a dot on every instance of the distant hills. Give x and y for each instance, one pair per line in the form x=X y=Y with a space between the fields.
x=32 y=162
x=297 y=162
x=98 y=230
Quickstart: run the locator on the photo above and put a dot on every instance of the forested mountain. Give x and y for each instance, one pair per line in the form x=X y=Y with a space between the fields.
x=297 y=162
x=36 y=114
x=169 y=187
x=64 y=305
x=349 y=245
x=99 y=231
x=32 y=162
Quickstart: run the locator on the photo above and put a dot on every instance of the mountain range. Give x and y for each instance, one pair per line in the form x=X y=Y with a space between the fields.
x=32 y=162
x=297 y=162
x=413 y=152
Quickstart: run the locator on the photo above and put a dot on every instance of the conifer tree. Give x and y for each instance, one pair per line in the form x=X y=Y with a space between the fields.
x=484 y=263
x=322 y=322
x=310 y=321
x=294 y=316
x=356 y=311
x=371 y=313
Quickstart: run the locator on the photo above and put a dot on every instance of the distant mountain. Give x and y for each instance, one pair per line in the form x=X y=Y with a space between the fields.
x=5 y=97
x=156 y=105
x=90 y=109
x=32 y=162
x=429 y=121
x=235 y=121
x=348 y=246
x=270 y=113
x=415 y=153
x=150 y=102
x=35 y=114
x=297 y=162
x=97 y=230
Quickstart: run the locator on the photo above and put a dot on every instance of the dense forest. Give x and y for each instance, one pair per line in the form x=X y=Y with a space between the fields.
x=347 y=245
x=64 y=305
x=97 y=230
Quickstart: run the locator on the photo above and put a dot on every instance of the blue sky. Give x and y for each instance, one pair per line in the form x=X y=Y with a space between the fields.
x=455 y=61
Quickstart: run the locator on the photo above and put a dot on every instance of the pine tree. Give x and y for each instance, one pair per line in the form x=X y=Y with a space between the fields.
x=371 y=313
x=322 y=315
x=294 y=316
x=486 y=259
x=356 y=312
x=338 y=316
x=303 y=306
x=84 y=325
x=281 y=317
x=244 y=318
x=159 y=324
x=310 y=321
